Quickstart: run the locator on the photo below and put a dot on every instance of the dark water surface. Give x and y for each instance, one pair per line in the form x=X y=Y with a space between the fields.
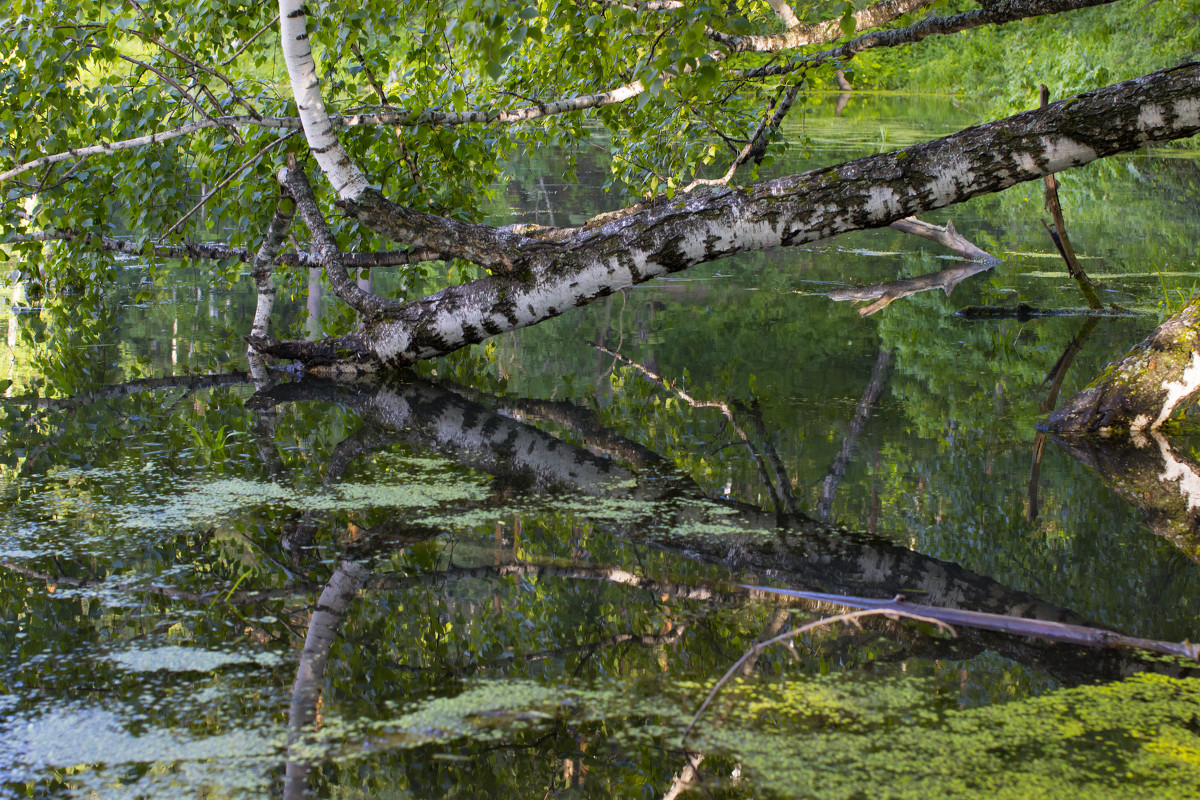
x=518 y=574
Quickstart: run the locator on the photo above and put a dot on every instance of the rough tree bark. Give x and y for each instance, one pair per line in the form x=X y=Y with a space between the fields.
x=539 y=278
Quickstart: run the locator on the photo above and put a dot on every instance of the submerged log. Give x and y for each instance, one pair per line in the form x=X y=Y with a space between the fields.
x=1143 y=388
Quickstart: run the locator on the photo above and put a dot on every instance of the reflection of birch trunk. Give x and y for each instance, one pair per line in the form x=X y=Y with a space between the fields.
x=1150 y=475
x=862 y=413
x=342 y=587
x=803 y=554
x=313 y=324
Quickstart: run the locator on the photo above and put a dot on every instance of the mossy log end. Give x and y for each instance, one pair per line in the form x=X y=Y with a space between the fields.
x=1140 y=390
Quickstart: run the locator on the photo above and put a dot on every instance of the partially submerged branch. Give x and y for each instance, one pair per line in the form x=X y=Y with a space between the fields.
x=1050 y=630
x=1059 y=235
x=945 y=235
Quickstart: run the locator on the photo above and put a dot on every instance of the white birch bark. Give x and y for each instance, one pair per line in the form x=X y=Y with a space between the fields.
x=348 y=181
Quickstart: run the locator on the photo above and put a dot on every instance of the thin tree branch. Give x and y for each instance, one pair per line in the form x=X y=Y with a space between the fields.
x=753 y=652
x=997 y=13
x=228 y=180
x=247 y=43
x=1000 y=13
x=327 y=252
x=816 y=32
x=220 y=252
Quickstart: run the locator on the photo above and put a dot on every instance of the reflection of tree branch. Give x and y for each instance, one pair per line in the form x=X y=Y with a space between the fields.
x=801 y=552
x=647 y=639
x=862 y=413
x=85 y=583
x=1055 y=380
x=189 y=382
x=724 y=408
x=884 y=294
x=781 y=476
x=402 y=581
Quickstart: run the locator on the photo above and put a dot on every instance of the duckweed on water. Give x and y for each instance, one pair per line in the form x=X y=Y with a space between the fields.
x=490 y=711
x=198 y=502
x=1088 y=742
x=172 y=658
x=236 y=759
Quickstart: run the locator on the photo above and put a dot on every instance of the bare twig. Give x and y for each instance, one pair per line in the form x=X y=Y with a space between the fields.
x=946 y=236
x=228 y=180
x=851 y=616
x=1059 y=234
x=1001 y=623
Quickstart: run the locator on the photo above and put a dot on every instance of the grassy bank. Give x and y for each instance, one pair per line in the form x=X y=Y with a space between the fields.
x=1002 y=67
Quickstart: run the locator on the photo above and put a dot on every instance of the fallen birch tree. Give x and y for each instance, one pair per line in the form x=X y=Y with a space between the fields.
x=407 y=118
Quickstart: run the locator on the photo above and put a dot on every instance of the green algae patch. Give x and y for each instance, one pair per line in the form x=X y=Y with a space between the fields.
x=888 y=742
x=172 y=658
x=90 y=749
x=488 y=712
x=195 y=502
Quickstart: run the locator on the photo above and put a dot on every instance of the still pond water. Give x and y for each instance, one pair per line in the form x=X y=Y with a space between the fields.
x=519 y=573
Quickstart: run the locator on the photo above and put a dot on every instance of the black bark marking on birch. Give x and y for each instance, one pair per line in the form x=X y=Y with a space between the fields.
x=471 y=334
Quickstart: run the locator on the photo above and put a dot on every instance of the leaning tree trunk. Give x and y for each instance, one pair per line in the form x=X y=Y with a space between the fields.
x=1142 y=389
x=542 y=278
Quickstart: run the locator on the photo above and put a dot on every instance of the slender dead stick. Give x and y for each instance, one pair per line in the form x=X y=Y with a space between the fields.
x=1002 y=623
x=1060 y=224
x=851 y=616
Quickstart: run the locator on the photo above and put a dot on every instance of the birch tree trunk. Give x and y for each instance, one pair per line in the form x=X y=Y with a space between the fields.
x=542 y=278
